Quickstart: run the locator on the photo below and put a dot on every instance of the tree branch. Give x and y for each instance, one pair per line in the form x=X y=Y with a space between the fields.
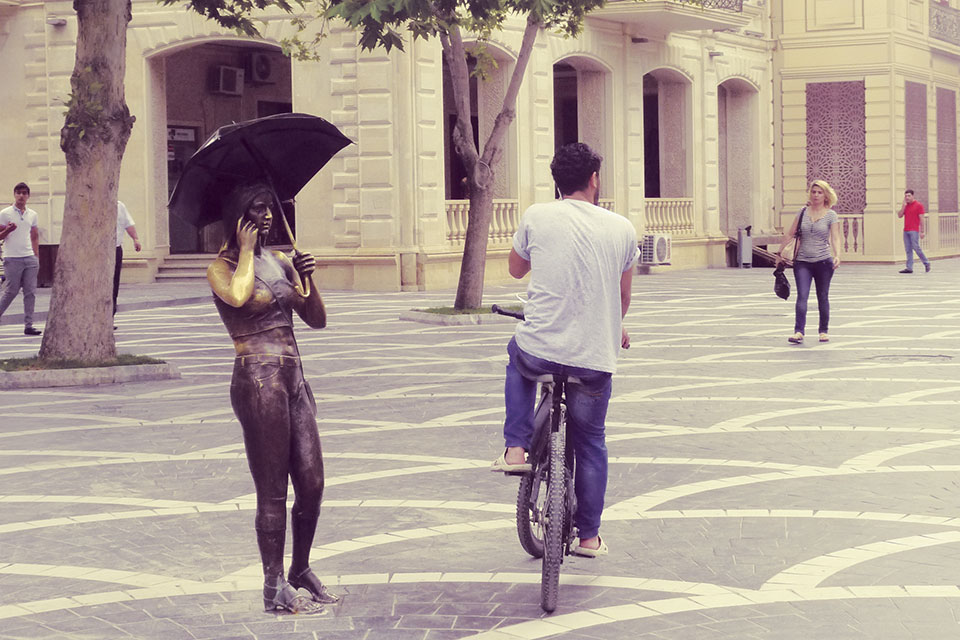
x=493 y=147
x=456 y=57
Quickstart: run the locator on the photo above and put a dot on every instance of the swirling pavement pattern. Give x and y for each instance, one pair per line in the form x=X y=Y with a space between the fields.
x=757 y=489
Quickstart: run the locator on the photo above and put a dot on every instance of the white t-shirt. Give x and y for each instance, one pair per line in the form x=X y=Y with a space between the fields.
x=18 y=244
x=124 y=220
x=577 y=254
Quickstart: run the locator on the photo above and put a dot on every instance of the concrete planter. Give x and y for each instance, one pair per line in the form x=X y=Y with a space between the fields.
x=36 y=379
x=456 y=320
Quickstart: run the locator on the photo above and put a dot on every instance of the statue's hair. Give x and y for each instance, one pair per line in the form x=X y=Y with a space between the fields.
x=235 y=206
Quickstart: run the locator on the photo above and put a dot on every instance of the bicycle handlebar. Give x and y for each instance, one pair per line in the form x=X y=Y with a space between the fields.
x=506 y=312
x=514 y=314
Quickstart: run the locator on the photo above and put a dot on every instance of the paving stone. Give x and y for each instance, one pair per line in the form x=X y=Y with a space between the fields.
x=714 y=422
x=426 y=622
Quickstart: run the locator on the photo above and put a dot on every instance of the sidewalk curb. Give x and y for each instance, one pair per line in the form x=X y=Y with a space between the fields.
x=37 y=379
x=455 y=320
x=41 y=316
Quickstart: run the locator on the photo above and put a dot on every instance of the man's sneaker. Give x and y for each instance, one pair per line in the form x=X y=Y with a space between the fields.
x=30 y=331
x=907 y=270
x=927 y=267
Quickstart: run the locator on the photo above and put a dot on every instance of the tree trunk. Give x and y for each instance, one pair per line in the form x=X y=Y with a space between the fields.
x=481 y=171
x=94 y=137
x=474 y=262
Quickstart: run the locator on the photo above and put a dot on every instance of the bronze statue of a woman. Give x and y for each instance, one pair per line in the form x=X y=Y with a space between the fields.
x=256 y=290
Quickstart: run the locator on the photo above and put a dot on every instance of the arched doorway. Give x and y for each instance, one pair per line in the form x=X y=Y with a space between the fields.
x=666 y=134
x=205 y=87
x=580 y=108
x=736 y=137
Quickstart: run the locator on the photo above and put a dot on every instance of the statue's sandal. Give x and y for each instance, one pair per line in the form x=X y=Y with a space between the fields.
x=284 y=597
x=308 y=580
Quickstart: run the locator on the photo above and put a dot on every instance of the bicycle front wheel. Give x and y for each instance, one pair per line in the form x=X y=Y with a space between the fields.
x=530 y=505
x=531 y=498
x=554 y=515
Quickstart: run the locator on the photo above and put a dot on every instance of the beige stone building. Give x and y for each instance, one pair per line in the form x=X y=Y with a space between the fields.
x=711 y=116
x=866 y=97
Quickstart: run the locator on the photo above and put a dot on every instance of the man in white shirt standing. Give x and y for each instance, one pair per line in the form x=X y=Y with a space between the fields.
x=124 y=225
x=21 y=255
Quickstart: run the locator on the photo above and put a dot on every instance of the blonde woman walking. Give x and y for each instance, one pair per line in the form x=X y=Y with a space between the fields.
x=817 y=256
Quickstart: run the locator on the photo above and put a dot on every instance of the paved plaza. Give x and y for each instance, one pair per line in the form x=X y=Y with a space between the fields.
x=757 y=490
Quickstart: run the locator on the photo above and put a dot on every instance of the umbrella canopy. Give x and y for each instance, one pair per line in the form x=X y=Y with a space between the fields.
x=284 y=150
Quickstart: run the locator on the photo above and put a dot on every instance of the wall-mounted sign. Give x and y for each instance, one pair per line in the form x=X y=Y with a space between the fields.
x=181 y=134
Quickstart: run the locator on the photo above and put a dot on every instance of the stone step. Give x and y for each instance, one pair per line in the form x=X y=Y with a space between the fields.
x=182 y=277
x=183 y=268
x=188 y=261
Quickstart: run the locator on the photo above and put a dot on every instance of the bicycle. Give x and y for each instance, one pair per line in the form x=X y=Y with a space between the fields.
x=546 y=501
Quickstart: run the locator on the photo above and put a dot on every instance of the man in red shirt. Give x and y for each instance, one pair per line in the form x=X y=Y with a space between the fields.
x=913 y=220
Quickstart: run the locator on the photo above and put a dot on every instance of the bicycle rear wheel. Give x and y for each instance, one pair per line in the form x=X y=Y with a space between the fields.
x=555 y=508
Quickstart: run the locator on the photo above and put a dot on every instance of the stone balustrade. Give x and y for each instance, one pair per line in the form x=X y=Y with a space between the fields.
x=503 y=222
x=669 y=215
x=851 y=230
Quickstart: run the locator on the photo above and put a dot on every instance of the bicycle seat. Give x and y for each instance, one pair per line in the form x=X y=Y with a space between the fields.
x=548 y=377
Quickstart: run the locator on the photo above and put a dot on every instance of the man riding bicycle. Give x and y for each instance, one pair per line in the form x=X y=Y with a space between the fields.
x=580 y=258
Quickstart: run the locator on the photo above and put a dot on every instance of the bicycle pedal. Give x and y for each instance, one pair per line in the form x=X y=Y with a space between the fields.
x=516 y=473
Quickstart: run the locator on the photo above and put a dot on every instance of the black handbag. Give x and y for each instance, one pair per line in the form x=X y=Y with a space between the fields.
x=781 y=286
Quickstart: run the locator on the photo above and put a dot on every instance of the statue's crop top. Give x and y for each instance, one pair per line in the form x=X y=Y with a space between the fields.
x=263 y=311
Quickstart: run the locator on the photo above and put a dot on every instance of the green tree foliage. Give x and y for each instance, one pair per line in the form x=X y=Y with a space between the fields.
x=235 y=14
x=385 y=24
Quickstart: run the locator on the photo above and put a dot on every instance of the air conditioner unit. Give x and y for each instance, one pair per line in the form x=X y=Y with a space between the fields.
x=261 y=69
x=226 y=80
x=655 y=249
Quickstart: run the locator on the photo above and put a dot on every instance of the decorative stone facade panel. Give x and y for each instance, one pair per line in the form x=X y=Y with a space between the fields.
x=947 y=150
x=915 y=128
x=836 y=141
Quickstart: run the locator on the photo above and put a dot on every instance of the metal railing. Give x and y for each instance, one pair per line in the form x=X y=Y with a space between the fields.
x=949 y=228
x=669 y=215
x=503 y=222
x=726 y=5
x=734 y=6
x=944 y=23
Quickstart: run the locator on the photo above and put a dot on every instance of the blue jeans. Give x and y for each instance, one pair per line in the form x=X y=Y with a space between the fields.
x=911 y=242
x=20 y=273
x=821 y=273
x=586 y=413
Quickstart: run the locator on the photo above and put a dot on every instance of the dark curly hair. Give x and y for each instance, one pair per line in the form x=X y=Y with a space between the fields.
x=572 y=166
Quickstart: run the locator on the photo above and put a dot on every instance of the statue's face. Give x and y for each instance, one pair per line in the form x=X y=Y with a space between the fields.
x=259 y=214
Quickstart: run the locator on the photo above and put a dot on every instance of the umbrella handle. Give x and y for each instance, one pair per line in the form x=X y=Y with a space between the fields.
x=305 y=292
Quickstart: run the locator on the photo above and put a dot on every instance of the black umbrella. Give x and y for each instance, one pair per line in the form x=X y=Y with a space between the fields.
x=284 y=150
